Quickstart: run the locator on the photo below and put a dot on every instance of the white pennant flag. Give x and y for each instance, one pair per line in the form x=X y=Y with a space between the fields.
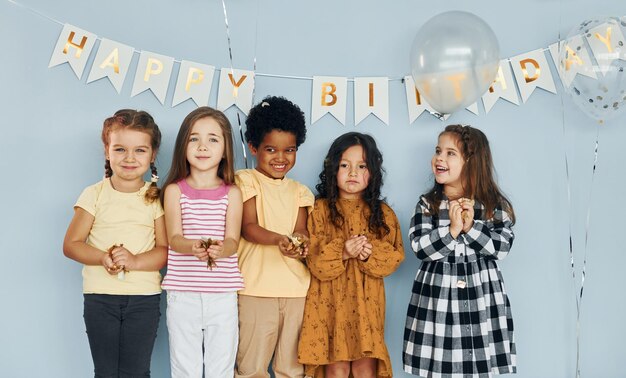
x=371 y=95
x=112 y=61
x=503 y=87
x=577 y=61
x=73 y=46
x=329 y=96
x=416 y=103
x=606 y=42
x=473 y=108
x=532 y=71
x=236 y=88
x=153 y=72
x=194 y=82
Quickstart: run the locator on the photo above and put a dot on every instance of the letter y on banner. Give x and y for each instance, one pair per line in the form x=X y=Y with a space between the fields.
x=236 y=87
x=73 y=46
x=329 y=96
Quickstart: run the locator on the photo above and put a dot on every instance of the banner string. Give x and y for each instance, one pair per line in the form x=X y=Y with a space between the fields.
x=294 y=77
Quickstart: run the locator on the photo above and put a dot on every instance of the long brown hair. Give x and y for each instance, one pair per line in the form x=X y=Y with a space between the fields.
x=477 y=173
x=329 y=189
x=180 y=166
x=138 y=120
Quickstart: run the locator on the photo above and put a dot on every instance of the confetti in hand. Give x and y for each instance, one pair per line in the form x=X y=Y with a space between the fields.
x=206 y=243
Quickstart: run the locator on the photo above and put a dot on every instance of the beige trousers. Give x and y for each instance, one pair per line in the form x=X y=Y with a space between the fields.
x=269 y=327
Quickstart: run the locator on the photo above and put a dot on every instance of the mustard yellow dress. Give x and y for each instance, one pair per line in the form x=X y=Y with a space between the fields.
x=344 y=315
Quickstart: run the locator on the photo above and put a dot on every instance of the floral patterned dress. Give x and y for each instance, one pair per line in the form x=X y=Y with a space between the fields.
x=344 y=315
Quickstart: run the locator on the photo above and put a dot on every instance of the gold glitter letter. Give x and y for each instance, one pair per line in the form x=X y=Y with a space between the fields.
x=455 y=79
x=606 y=40
x=418 y=99
x=571 y=57
x=523 y=64
x=191 y=79
x=237 y=84
x=499 y=79
x=329 y=92
x=79 y=47
x=154 y=67
x=371 y=88
x=113 y=60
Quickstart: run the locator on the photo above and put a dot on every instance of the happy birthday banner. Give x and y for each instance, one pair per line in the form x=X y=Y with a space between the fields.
x=523 y=73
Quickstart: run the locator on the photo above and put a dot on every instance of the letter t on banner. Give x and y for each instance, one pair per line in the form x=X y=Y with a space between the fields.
x=371 y=95
x=329 y=96
x=73 y=46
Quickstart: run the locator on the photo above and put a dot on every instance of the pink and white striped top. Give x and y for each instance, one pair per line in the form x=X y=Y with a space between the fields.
x=203 y=214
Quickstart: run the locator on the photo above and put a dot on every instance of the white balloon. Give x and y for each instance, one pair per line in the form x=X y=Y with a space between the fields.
x=454 y=60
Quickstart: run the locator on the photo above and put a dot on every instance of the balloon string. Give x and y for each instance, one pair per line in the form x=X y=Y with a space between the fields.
x=230 y=56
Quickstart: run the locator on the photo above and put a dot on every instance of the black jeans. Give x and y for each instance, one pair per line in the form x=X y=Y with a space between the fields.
x=121 y=331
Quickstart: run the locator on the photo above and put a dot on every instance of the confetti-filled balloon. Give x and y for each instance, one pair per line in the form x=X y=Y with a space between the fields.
x=592 y=65
x=454 y=60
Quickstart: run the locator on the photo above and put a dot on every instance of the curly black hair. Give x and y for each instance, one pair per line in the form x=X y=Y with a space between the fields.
x=275 y=113
x=329 y=189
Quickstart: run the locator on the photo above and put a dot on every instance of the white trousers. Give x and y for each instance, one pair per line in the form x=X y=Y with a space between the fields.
x=197 y=319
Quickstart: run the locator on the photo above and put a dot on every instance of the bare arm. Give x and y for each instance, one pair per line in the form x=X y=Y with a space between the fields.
x=74 y=243
x=174 y=223
x=233 y=226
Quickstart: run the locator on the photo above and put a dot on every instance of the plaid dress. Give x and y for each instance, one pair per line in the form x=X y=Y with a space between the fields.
x=459 y=321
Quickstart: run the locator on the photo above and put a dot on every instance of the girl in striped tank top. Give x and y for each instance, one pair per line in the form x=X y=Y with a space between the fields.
x=202 y=202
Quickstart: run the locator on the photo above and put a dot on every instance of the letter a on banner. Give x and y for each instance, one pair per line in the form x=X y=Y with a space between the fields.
x=576 y=60
x=532 y=71
x=236 y=87
x=194 y=82
x=112 y=61
x=329 y=96
x=153 y=72
x=73 y=46
x=371 y=95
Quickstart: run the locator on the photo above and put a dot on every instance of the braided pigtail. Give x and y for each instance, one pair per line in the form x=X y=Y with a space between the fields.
x=108 y=172
x=153 y=192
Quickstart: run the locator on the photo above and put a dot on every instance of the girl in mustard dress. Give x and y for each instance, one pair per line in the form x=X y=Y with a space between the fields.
x=355 y=242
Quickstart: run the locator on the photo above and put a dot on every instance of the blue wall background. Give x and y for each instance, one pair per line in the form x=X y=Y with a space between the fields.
x=50 y=150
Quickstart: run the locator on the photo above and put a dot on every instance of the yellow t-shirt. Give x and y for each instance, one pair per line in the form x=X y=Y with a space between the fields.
x=120 y=218
x=266 y=272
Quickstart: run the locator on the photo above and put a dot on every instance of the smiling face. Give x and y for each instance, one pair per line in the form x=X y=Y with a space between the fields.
x=447 y=164
x=130 y=154
x=353 y=175
x=276 y=154
x=205 y=146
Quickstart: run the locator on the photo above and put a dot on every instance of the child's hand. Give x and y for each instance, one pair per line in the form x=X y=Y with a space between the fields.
x=109 y=266
x=353 y=246
x=216 y=250
x=456 y=218
x=198 y=250
x=123 y=258
x=366 y=252
x=287 y=249
x=467 y=214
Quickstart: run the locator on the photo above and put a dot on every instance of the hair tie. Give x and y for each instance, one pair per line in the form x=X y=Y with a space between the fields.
x=154 y=178
x=264 y=104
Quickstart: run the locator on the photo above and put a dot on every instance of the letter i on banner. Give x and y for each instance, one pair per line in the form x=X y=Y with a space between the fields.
x=153 y=72
x=194 y=82
x=112 y=61
x=532 y=71
x=371 y=95
x=73 y=46
x=236 y=88
x=329 y=96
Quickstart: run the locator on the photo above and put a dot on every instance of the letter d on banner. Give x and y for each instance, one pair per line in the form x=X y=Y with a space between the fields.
x=73 y=46
x=329 y=96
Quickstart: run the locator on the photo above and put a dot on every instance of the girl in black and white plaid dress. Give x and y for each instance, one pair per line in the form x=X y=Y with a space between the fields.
x=459 y=321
